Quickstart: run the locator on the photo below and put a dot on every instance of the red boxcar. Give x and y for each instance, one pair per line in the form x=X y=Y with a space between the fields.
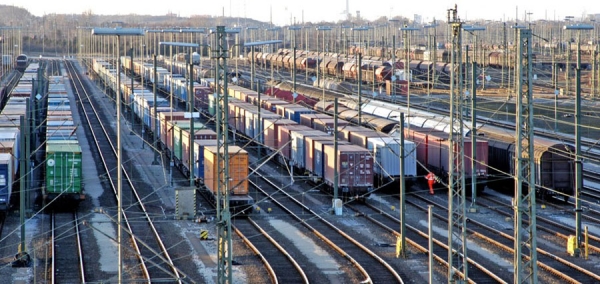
x=433 y=151
x=355 y=167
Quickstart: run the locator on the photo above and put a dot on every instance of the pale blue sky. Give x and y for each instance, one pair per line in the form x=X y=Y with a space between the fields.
x=316 y=11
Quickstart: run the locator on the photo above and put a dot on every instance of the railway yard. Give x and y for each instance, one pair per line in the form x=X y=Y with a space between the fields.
x=275 y=164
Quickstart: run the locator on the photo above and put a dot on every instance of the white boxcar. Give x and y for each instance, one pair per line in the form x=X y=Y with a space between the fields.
x=387 y=160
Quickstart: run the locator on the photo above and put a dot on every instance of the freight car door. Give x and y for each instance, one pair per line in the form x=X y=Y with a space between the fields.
x=364 y=176
x=346 y=175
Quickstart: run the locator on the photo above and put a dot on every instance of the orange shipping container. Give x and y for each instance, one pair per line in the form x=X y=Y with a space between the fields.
x=238 y=169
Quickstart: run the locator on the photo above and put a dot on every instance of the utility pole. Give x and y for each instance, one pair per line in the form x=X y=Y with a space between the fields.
x=359 y=88
x=336 y=170
x=22 y=258
x=457 y=252
x=474 y=164
x=402 y=192
x=220 y=54
x=155 y=120
x=578 y=161
x=524 y=206
x=505 y=57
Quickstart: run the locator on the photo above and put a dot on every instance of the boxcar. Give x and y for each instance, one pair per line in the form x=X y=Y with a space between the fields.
x=63 y=170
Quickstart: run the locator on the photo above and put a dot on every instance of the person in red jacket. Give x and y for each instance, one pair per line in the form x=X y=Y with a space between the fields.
x=431 y=181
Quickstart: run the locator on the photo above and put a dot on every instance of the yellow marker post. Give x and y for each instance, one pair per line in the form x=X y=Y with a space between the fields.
x=587 y=251
x=204 y=234
x=398 y=246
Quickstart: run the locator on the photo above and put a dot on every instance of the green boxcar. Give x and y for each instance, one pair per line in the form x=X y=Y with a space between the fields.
x=185 y=126
x=64 y=169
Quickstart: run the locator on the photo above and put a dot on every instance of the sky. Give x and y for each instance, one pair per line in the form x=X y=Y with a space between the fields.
x=285 y=11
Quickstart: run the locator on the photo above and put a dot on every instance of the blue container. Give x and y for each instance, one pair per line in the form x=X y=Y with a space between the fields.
x=199 y=156
x=294 y=113
x=6 y=180
x=319 y=156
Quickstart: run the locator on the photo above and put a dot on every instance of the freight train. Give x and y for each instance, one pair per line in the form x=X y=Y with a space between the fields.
x=372 y=70
x=10 y=134
x=276 y=133
x=429 y=133
x=554 y=161
x=244 y=116
x=63 y=174
x=173 y=131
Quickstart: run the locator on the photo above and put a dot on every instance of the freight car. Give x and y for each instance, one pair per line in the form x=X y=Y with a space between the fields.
x=434 y=150
x=554 y=163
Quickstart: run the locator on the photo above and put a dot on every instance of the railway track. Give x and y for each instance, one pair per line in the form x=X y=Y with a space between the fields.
x=368 y=266
x=279 y=263
x=550 y=226
x=553 y=265
x=66 y=249
x=419 y=239
x=147 y=260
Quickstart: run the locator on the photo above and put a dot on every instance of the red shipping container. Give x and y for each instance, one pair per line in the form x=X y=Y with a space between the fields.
x=361 y=138
x=201 y=94
x=308 y=118
x=202 y=134
x=285 y=136
x=166 y=130
x=271 y=105
x=158 y=111
x=433 y=150
x=271 y=131
x=344 y=131
x=280 y=110
x=355 y=167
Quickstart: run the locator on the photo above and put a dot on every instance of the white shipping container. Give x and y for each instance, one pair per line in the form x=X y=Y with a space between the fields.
x=297 y=155
x=387 y=160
